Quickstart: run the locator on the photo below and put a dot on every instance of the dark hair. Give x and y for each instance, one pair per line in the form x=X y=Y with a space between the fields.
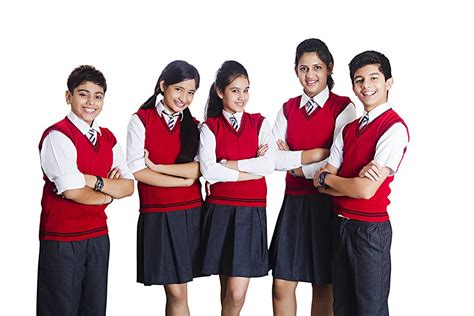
x=175 y=72
x=314 y=45
x=228 y=72
x=370 y=57
x=85 y=73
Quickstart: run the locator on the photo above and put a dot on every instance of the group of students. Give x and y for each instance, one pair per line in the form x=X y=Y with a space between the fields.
x=333 y=229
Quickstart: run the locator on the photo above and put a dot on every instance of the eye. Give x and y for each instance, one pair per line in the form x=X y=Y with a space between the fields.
x=83 y=94
x=318 y=67
x=191 y=93
x=246 y=91
x=373 y=78
x=99 y=97
x=235 y=90
x=358 y=80
x=178 y=89
x=303 y=69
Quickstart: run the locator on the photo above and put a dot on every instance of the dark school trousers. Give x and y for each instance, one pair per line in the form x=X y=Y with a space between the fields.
x=361 y=267
x=72 y=277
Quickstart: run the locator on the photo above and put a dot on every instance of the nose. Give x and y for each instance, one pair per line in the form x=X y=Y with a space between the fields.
x=90 y=99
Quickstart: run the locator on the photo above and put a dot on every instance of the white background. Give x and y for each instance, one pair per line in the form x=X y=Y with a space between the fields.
x=427 y=43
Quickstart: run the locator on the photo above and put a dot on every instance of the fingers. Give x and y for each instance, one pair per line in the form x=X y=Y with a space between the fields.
x=262 y=150
x=371 y=171
x=282 y=145
x=114 y=174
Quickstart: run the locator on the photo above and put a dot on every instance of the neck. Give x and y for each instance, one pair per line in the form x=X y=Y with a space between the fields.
x=167 y=108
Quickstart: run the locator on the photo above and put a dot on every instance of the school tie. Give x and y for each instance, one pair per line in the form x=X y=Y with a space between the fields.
x=310 y=105
x=172 y=118
x=92 y=136
x=364 y=121
x=233 y=122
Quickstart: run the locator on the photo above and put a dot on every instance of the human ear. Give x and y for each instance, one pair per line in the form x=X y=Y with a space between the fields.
x=219 y=93
x=330 y=68
x=389 y=83
x=68 y=97
x=163 y=86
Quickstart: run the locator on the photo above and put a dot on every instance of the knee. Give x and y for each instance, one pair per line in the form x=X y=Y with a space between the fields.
x=283 y=290
x=176 y=294
x=236 y=297
x=322 y=292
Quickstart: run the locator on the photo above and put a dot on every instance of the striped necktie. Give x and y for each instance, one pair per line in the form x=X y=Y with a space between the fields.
x=172 y=118
x=92 y=136
x=233 y=122
x=363 y=122
x=310 y=105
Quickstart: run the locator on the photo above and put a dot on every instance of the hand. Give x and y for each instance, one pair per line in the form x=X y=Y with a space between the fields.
x=208 y=188
x=188 y=182
x=90 y=180
x=371 y=171
x=282 y=145
x=148 y=162
x=262 y=150
x=115 y=174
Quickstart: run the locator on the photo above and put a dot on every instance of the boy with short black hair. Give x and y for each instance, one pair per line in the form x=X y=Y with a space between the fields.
x=372 y=146
x=84 y=170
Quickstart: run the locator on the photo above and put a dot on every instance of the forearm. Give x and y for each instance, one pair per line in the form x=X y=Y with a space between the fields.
x=314 y=155
x=116 y=188
x=259 y=166
x=157 y=179
x=87 y=196
x=244 y=176
x=330 y=191
x=188 y=170
x=358 y=188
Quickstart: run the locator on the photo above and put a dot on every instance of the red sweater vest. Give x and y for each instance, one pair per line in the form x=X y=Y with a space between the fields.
x=237 y=145
x=310 y=131
x=66 y=220
x=164 y=147
x=359 y=150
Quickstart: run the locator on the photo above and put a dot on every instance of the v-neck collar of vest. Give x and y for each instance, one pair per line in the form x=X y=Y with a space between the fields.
x=238 y=132
x=97 y=142
x=318 y=108
x=360 y=132
x=165 y=124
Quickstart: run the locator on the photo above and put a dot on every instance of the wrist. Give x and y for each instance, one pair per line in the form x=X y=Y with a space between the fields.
x=322 y=179
x=99 y=184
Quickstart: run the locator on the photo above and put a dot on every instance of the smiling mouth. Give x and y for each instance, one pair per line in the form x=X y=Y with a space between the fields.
x=89 y=110
x=368 y=93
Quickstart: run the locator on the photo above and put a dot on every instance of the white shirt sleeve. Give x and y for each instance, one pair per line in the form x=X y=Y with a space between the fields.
x=59 y=162
x=284 y=160
x=337 y=148
x=391 y=147
x=264 y=165
x=211 y=170
x=348 y=115
x=120 y=163
x=135 y=144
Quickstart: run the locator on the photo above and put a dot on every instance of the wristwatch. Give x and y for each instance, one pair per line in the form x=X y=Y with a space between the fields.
x=322 y=179
x=99 y=184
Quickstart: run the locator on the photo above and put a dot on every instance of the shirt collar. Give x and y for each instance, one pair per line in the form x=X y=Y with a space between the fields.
x=377 y=111
x=160 y=108
x=237 y=115
x=82 y=125
x=320 y=98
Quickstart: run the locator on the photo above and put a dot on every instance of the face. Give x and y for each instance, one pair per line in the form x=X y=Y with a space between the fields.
x=370 y=86
x=235 y=95
x=312 y=73
x=86 y=101
x=178 y=96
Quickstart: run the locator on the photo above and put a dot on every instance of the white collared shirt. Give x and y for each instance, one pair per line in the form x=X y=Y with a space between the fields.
x=214 y=172
x=59 y=157
x=390 y=147
x=287 y=160
x=136 y=140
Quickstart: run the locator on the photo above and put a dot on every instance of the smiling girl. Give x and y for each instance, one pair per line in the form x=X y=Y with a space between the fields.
x=305 y=127
x=162 y=144
x=236 y=152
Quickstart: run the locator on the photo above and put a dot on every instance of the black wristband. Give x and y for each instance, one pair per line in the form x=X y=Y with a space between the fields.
x=322 y=179
x=99 y=184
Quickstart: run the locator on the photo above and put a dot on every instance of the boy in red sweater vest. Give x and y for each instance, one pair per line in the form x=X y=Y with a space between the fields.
x=363 y=161
x=84 y=170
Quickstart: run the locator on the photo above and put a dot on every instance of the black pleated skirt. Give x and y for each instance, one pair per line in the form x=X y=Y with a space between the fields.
x=234 y=241
x=168 y=246
x=301 y=244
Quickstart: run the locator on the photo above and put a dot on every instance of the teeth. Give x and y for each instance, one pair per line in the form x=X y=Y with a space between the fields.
x=89 y=110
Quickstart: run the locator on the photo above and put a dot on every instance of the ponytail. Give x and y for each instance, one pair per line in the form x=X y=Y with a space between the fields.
x=189 y=138
x=214 y=103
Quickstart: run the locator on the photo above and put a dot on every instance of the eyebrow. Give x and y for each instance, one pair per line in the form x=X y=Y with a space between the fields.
x=85 y=90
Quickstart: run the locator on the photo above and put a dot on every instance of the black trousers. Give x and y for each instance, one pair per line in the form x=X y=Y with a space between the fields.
x=72 y=277
x=361 y=267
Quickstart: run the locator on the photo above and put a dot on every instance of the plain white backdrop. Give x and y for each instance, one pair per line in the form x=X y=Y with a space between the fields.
x=427 y=44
